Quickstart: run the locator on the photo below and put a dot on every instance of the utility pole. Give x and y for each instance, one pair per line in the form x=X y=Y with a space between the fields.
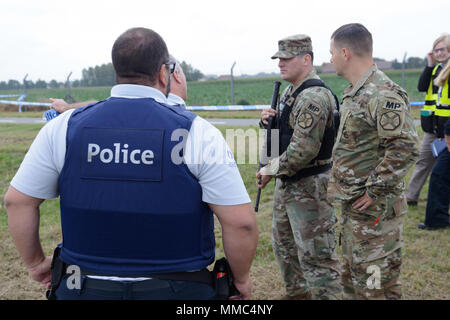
x=68 y=98
x=24 y=94
x=232 y=84
x=403 y=71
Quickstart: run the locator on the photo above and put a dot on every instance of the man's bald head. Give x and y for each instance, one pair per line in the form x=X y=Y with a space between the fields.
x=138 y=54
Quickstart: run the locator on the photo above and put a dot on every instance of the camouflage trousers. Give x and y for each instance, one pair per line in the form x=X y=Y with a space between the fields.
x=303 y=238
x=371 y=249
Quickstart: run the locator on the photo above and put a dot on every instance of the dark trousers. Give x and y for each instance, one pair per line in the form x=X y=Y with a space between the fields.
x=439 y=192
x=153 y=289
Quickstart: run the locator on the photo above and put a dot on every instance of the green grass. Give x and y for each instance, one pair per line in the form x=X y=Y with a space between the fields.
x=425 y=270
x=215 y=92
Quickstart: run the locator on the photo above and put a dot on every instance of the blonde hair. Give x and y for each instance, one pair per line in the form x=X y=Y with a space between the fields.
x=445 y=72
x=443 y=37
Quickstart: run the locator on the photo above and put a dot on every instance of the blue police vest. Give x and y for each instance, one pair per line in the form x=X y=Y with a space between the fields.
x=126 y=208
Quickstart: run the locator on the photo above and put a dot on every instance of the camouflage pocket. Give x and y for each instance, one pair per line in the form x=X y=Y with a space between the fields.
x=400 y=206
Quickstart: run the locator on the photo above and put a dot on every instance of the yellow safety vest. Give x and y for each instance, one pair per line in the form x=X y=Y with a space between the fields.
x=443 y=102
x=430 y=98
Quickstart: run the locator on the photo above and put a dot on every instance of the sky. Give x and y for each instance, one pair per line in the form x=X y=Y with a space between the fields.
x=48 y=39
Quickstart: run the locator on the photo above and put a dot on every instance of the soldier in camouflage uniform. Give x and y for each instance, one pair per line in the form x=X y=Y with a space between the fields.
x=376 y=145
x=304 y=240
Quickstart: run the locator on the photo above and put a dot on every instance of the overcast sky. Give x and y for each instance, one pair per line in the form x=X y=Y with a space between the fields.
x=49 y=39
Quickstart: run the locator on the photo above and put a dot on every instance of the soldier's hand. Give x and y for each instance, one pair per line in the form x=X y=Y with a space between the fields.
x=263 y=178
x=447 y=141
x=363 y=203
x=266 y=114
x=59 y=105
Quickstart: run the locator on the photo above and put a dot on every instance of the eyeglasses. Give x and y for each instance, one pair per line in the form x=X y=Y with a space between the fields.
x=171 y=65
x=437 y=50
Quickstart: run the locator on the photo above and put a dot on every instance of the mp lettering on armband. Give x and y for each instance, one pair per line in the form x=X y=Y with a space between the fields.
x=395 y=106
x=122 y=154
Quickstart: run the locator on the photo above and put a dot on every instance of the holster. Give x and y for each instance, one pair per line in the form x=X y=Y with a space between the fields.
x=58 y=268
x=223 y=280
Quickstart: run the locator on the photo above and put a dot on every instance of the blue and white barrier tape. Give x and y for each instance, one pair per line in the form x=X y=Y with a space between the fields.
x=223 y=108
x=9 y=95
x=191 y=108
x=25 y=103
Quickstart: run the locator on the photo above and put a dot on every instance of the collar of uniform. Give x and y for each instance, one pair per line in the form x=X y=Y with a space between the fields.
x=311 y=75
x=351 y=91
x=134 y=91
x=173 y=99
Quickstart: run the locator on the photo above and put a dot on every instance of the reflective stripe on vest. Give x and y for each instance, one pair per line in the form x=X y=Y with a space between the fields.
x=430 y=98
x=443 y=102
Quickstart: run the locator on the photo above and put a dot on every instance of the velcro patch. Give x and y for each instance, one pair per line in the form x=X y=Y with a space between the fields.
x=290 y=101
x=305 y=120
x=122 y=154
x=394 y=106
x=314 y=109
x=390 y=120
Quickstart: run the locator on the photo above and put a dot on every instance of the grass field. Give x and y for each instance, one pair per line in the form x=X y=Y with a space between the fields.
x=425 y=272
x=211 y=93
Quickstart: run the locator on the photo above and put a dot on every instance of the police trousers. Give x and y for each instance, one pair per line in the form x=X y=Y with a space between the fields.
x=152 y=289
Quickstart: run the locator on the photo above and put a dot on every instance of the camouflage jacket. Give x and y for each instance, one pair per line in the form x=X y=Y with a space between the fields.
x=311 y=113
x=377 y=142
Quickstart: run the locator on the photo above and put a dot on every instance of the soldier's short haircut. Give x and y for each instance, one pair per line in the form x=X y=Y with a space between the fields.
x=355 y=37
x=302 y=54
x=138 y=54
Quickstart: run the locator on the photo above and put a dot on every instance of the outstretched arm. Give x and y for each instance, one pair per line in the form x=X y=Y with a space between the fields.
x=60 y=105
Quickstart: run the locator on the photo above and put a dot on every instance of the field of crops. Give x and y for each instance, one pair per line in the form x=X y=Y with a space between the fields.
x=215 y=92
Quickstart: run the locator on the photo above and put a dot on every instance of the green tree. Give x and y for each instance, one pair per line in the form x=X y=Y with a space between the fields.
x=40 y=84
x=14 y=84
x=190 y=72
x=102 y=75
x=53 y=84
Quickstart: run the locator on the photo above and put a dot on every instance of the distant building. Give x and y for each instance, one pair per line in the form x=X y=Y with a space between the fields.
x=327 y=67
x=224 y=77
x=383 y=64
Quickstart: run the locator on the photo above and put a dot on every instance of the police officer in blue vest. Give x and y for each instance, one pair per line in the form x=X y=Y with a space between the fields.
x=139 y=181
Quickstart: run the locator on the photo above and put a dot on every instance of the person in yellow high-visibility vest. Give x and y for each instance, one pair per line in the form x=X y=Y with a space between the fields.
x=436 y=214
x=429 y=118
x=442 y=111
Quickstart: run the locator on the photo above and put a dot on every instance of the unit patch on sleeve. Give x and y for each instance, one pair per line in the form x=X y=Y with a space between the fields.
x=390 y=120
x=305 y=120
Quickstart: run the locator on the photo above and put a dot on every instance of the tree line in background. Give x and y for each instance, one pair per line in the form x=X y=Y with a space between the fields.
x=103 y=75
x=410 y=63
